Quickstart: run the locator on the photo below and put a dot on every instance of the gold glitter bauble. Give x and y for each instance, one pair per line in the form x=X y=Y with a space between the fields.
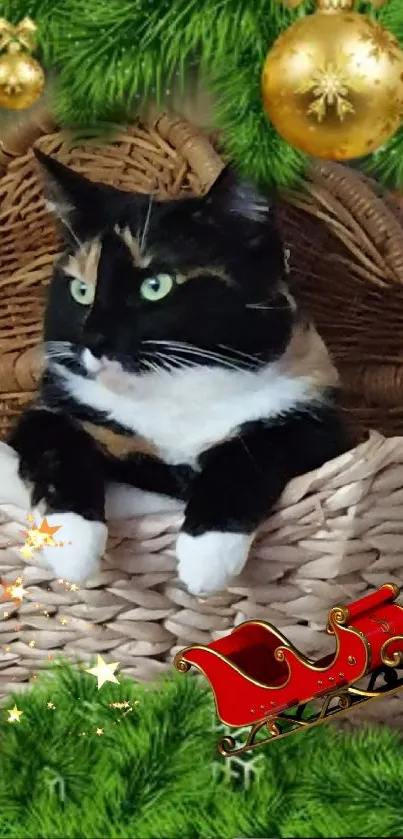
x=332 y=84
x=21 y=80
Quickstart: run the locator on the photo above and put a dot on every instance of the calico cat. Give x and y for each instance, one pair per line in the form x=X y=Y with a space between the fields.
x=178 y=363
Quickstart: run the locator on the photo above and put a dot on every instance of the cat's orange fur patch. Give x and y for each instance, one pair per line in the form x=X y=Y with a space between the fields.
x=307 y=355
x=83 y=264
x=140 y=259
x=120 y=445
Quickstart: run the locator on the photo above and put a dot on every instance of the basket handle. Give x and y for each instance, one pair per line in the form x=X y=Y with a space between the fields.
x=373 y=226
x=193 y=145
x=18 y=139
x=21 y=371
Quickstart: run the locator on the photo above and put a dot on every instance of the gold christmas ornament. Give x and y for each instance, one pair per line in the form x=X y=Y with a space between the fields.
x=21 y=77
x=332 y=84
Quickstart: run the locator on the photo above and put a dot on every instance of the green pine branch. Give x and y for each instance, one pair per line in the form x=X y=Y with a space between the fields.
x=152 y=773
x=113 y=55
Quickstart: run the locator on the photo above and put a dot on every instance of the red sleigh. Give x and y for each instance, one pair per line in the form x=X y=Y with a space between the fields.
x=257 y=676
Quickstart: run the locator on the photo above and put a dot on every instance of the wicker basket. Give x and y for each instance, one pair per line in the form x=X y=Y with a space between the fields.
x=337 y=532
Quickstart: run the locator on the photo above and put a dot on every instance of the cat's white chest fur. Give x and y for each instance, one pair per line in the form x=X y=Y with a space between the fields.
x=185 y=412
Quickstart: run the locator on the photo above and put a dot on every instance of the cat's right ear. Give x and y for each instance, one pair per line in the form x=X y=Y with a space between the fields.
x=77 y=202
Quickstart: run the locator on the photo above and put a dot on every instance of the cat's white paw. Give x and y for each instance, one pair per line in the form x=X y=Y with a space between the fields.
x=84 y=543
x=208 y=562
x=12 y=489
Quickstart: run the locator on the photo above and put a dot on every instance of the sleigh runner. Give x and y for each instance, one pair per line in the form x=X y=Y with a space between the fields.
x=258 y=676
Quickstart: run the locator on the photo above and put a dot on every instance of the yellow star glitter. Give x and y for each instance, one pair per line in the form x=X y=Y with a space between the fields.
x=51 y=705
x=14 y=714
x=99 y=731
x=124 y=704
x=31 y=644
x=37 y=537
x=63 y=621
x=13 y=591
x=104 y=672
x=74 y=587
x=17 y=591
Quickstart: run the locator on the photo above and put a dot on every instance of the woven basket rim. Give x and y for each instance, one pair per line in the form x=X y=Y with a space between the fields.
x=192 y=143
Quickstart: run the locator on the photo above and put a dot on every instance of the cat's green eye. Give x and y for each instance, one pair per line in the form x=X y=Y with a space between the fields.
x=156 y=288
x=83 y=293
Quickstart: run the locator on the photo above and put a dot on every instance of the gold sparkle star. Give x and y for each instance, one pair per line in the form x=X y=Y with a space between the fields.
x=13 y=591
x=99 y=731
x=14 y=714
x=31 y=644
x=51 y=705
x=104 y=672
x=17 y=591
x=37 y=537
x=74 y=587
x=63 y=621
x=45 y=528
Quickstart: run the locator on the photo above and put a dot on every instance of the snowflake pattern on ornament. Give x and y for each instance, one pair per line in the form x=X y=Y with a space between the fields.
x=330 y=85
x=393 y=111
x=381 y=42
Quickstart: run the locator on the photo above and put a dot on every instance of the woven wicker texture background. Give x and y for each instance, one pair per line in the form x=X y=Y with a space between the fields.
x=346 y=242
x=337 y=532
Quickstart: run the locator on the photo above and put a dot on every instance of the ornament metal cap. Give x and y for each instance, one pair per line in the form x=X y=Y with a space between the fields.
x=335 y=5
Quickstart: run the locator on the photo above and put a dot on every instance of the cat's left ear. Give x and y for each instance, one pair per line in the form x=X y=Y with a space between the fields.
x=78 y=203
x=238 y=198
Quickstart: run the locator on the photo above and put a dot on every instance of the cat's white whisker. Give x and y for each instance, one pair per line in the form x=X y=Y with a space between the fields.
x=58 y=349
x=170 y=362
x=241 y=353
x=200 y=352
x=262 y=307
x=146 y=222
x=72 y=232
x=149 y=365
x=173 y=361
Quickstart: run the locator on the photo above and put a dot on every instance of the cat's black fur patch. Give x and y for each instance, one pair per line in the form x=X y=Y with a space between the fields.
x=61 y=463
